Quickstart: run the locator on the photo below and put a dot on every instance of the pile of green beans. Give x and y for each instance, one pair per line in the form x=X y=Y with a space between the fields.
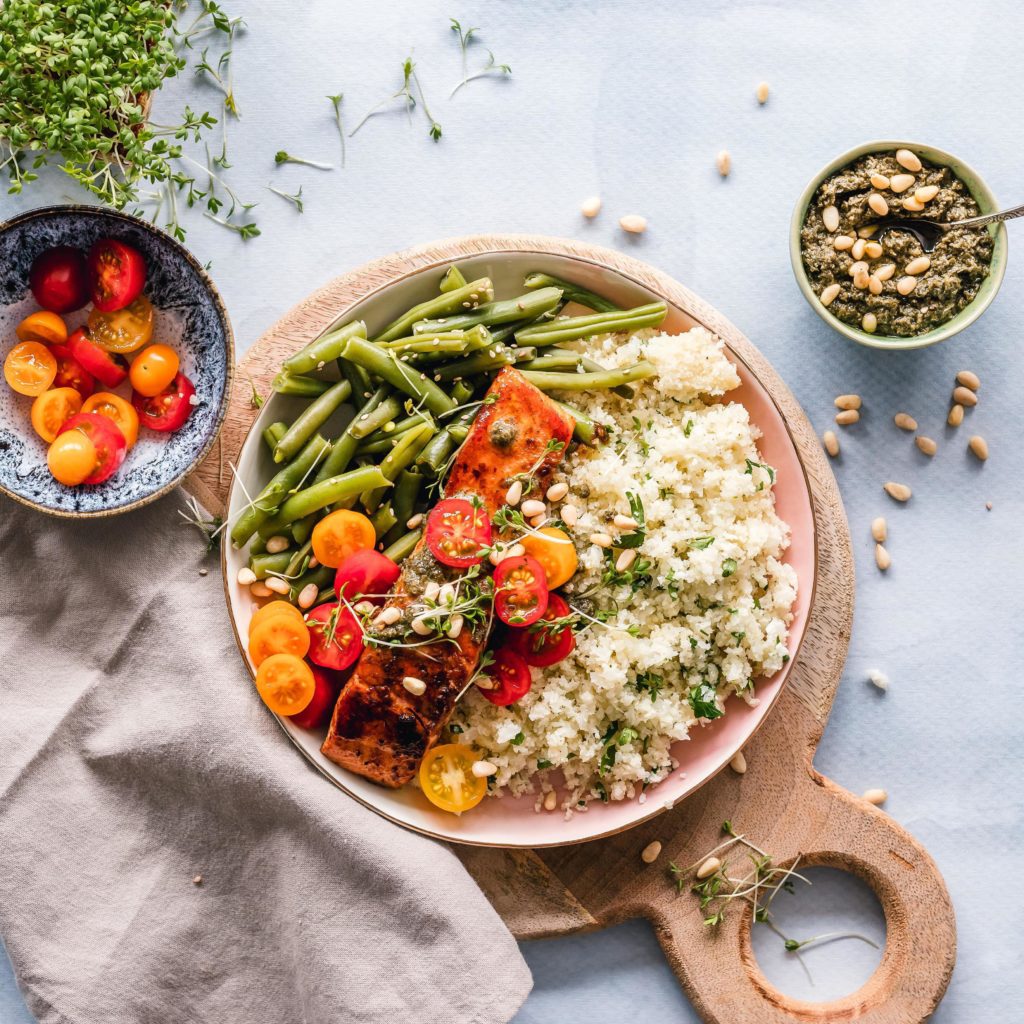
x=416 y=387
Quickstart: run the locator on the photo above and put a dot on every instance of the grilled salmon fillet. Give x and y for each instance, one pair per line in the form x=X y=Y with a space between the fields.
x=379 y=729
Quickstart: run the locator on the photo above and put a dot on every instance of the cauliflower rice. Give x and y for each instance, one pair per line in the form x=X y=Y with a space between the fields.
x=707 y=608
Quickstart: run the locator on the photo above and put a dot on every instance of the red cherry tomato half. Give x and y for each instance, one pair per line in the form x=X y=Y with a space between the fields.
x=59 y=280
x=335 y=636
x=456 y=531
x=169 y=409
x=108 y=368
x=318 y=710
x=520 y=591
x=70 y=372
x=366 y=573
x=540 y=645
x=510 y=671
x=108 y=440
x=117 y=273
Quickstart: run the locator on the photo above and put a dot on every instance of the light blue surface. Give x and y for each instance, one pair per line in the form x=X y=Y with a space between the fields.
x=633 y=101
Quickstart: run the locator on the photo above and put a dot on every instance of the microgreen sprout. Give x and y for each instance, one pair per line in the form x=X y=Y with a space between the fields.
x=465 y=36
x=336 y=102
x=246 y=231
x=295 y=200
x=492 y=67
x=209 y=526
x=256 y=400
x=404 y=94
x=284 y=157
x=435 y=128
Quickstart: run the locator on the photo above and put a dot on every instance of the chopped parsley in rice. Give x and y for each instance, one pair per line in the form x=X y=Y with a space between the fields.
x=701 y=613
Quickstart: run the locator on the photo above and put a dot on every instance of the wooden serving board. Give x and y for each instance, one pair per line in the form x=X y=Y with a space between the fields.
x=790 y=808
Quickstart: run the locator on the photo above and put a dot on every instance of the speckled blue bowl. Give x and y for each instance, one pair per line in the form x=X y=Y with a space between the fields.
x=190 y=317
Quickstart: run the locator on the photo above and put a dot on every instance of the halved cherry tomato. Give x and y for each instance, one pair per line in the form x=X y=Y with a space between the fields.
x=59 y=280
x=70 y=373
x=341 y=534
x=555 y=551
x=117 y=273
x=169 y=409
x=336 y=638
x=30 y=368
x=286 y=684
x=43 y=326
x=280 y=634
x=118 y=411
x=325 y=693
x=153 y=369
x=510 y=671
x=52 y=409
x=106 y=438
x=109 y=368
x=447 y=779
x=275 y=608
x=520 y=592
x=366 y=574
x=541 y=645
x=71 y=458
x=124 y=330
x=456 y=531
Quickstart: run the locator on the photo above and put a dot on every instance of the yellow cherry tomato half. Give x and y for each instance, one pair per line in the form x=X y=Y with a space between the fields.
x=341 y=534
x=286 y=684
x=279 y=634
x=154 y=368
x=118 y=410
x=52 y=409
x=447 y=779
x=273 y=608
x=72 y=458
x=123 y=330
x=556 y=553
x=30 y=368
x=42 y=326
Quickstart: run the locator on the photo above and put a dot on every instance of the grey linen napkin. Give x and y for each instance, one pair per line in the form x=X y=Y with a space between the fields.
x=135 y=756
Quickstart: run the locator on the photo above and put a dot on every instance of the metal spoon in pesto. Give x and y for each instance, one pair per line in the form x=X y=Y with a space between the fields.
x=928 y=232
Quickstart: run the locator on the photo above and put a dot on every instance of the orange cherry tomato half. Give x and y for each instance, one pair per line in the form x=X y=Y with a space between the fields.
x=30 y=368
x=520 y=591
x=70 y=372
x=52 y=409
x=286 y=684
x=153 y=369
x=456 y=531
x=71 y=458
x=107 y=440
x=555 y=551
x=280 y=634
x=123 y=330
x=46 y=327
x=117 y=273
x=118 y=410
x=341 y=534
x=447 y=779
x=271 y=609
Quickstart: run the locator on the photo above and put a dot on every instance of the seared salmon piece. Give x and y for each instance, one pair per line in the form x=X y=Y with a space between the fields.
x=379 y=729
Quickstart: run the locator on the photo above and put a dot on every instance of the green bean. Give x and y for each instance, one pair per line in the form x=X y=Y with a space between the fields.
x=325 y=492
x=300 y=559
x=270 y=565
x=311 y=420
x=362 y=388
x=380 y=442
x=285 y=480
x=323 y=349
x=274 y=433
x=401 y=457
x=483 y=362
x=365 y=423
x=554 y=381
x=586 y=430
x=525 y=307
x=453 y=301
x=404 y=546
x=383 y=519
x=458 y=432
x=302 y=528
x=436 y=452
x=422 y=342
x=461 y=392
x=344 y=447
x=571 y=328
x=403 y=499
x=321 y=576
x=257 y=546
x=563 y=359
x=385 y=365
x=304 y=387
x=572 y=292
x=453 y=279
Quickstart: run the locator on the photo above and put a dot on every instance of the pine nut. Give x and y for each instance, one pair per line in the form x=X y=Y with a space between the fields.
x=246 y=576
x=621 y=522
x=876 y=796
x=905 y=158
x=869 y=322
x=878 y=204
x=926 y=445
x=956 y=416
x=633 y=223
x=651 y=852
x=389 y=616
x=847 y=402
x=314 y=562
x=431 y=590
x=874 y=286
x=879 y=530
x=885 y=271
x=898 y=492
x=724 y=164
x=496 y=555
x=762 y=93
x=260 y=589
x=556 y=492
x=485 y=682
x=873 y=250
x=277 y=544
x=847 y=416
x=481 y=769
x=857 y=252
x=905 y=285
x=364 y=608
x=862 y=280
x=516 y=551
x=550 y=800
x=415 y=521
x=515 y=493
x=570 y=515
x=979 y=447
x=831 y=442
x=415 y=686
x=829 y=293
x=591 y=206
x=857 y=267
x=307 y=595
x=538 y=521
x=830 y=218
x=968 y=379
x=917 y=266
x=446 y=595
x=842 y=242
x=882 y=558
x=964 y=396
x=926 y=193
x=602 y=540
x=879 y=181
x=420 y=626
x=533 y=507
x=455 y=624
x=913 y=205
x=277 y=585
x=905 y=421
x=625 y=559
x=738 y=763
x=708 y=867
x=901 y=182
x=869 y=232
x=878 y=678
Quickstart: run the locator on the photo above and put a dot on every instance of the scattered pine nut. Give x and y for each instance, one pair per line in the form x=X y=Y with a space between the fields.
x=724 y=164
x=841 y=242
x=414 y=521
x=847 y=416
x=550 y=800
x=926 y=445
x=416 y=687
x=420 y=626
x=277 y=585
x=831 y=442
x=926 y=193
x=446 y=595
x=198 y=880
x=901 y=182
x=968 y=379
x=885 y=271
x=988 y=505
x=625 y=560
x=879 y=529
x=878 y=678
x=905 y=158
x=956 y=416
x=869 y=232
x=869 y=321
x=879 y=181
x=861 y=280
x=873 y=250
x=979 y=447
x=538 y=520
x=633 y=223
x=591 y=207
x=762 y=93
x=829 y=294
x=964 y=396
x=878 y=204
x=364 y=608
x=875 y=287
x=876 y=796
x=516 y=551
x=313 y=562
x=912 y=204
x=532 y=507
x=905 y=285
x=738 y=763
x=481 y=769
x=602 y=540
x=570 y=515
x=708 y=867
x=307 y=595
x=389 y=616
x=917 y=266
x=277 y=544
x=898 y=492
x=246 y=576
x=515 y=493
x=857 y=251
x=848 y=402
x=905 y=421
x=204 y=572
x=857 y=267
x=556 y=492
x=651 y=852
x=621 y=522
x=830 y=218
x=431 y=590
x=260 y=589
x=882 y=557
x=455 y=624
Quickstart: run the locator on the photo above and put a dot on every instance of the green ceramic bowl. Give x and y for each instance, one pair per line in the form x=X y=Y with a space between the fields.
x=982 y=196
